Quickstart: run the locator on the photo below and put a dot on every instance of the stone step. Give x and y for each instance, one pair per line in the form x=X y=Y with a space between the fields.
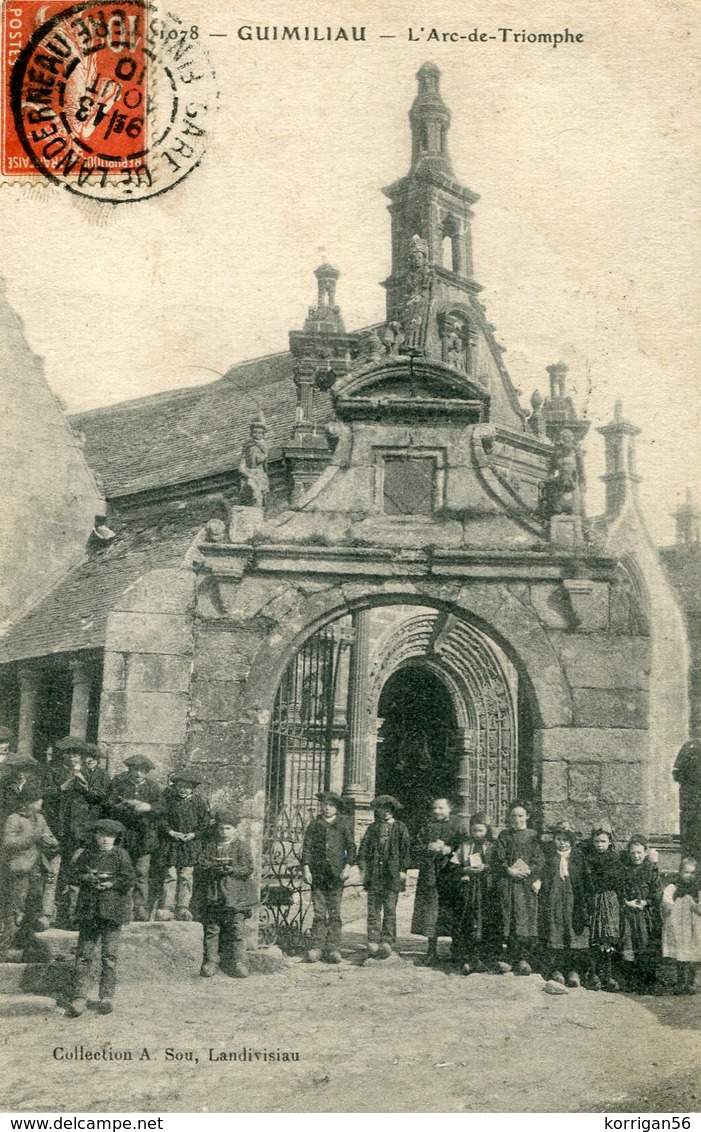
x=14 y=1005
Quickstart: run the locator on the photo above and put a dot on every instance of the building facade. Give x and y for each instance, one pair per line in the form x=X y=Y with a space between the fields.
x=387 y=582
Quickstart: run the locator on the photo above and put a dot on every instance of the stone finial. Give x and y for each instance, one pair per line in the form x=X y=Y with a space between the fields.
x=558 y=379
x=327 y=277
x=430 y=120
x=687 y=520
x=621 y=478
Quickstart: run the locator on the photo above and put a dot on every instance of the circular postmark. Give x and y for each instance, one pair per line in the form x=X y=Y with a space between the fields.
x=112 y=100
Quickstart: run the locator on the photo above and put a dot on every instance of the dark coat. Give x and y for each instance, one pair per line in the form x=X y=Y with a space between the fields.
x=605 y=880
x=640 y=927
x=184 y=815
x=83 y=803
x=227 y=869
x=382 y=866
x=563 y=905
x=471 y=896
x=107 y=904
x=327 y=849
x=517 y=901
x=426 y=918
x=55 y=774
x=141 y=829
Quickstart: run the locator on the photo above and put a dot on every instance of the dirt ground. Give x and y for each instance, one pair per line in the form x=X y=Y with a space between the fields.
x=383 y=1036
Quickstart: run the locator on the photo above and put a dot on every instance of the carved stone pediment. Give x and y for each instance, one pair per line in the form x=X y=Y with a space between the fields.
x=397 y=387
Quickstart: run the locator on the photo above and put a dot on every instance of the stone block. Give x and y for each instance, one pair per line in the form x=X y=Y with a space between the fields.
x=551 y=605
x=622 y=782
x=586 y=815
x=168 y=633
x=12 y=977
x=48 y=978
x=160 y=591
x=589 y=602
x=217 y=699
x=610 y=707
x=225 y=654
x=157 y=673
x=583 y=782
x=114 y=674
x=591 y=744
x=265 y=960
x=52 y=946
x=554 y=782
x=22 y=1005
x=134 y=716
x=602 y=661
x=252 y=594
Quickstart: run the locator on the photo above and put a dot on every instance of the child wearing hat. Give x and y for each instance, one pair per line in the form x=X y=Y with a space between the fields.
x=564 y=904
x=184 y=820
x=328 y=852
x=384 y=857
x=227 y=868
x=135 y=800
x=31 y=862
x=640 y=898
x=104 y=875
x=681 y=924
x=518 y=867
x=84 y=798
x=436 y=841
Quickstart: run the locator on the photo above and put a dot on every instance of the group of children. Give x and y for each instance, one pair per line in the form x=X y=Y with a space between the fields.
x=85 y=852
x=579 y=912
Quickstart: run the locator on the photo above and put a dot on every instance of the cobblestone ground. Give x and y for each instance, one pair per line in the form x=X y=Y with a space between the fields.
x=384 y=1036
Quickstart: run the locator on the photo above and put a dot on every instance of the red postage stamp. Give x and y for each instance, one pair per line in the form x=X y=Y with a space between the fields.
x=104 y=99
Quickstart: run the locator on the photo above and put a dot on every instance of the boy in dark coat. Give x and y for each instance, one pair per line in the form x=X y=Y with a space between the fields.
x=518 y=868
x=84 y=797
x=436 y=841
x=227 y=868
x=327 y=855
x=384 y=857
x=135 y=801
x=104 y=875
x=184 y=820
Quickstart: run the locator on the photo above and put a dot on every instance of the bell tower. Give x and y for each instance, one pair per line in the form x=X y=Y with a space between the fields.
x=429 y=204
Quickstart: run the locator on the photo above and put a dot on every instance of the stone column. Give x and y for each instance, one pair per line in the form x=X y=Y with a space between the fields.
x=80 y=702
x=463 y=751
x=356 y=784
x=28 y=692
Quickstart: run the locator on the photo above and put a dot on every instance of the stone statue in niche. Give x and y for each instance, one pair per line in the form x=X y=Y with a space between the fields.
x=392 y=338
x=455 y=342
x=253 y=470
x=561 y=491
x=418 y=285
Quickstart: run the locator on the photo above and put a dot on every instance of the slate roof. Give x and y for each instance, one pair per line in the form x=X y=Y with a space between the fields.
x=73 y=615
x=189 y=434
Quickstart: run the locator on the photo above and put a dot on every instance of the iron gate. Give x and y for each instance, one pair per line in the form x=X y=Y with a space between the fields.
x=302 y=737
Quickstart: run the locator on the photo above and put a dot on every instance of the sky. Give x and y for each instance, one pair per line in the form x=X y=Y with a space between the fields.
x=586 y=237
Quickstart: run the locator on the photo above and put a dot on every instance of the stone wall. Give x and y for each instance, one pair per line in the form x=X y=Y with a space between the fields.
x=148 y=659
x=49 y=498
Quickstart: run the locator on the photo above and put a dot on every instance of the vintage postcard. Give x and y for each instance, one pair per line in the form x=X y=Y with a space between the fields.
x=350 y=557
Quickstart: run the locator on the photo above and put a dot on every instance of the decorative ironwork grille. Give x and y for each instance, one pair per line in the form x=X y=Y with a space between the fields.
x=300 y=748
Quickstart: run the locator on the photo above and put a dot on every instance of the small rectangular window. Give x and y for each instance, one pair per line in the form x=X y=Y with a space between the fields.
x=409 y=485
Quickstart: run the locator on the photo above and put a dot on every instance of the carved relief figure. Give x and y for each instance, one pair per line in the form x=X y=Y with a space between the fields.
x=455 y=341
x=255 y=484
x=561 y=492
x=418 y=283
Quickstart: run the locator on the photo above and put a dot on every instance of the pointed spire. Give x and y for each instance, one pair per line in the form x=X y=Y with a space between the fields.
x=430 y=121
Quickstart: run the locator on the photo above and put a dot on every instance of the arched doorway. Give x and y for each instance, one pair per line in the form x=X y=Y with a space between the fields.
x=416 y=742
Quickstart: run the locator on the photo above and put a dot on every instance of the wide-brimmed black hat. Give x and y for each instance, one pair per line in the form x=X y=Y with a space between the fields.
x=565 y=829
x=109 y=826
x=383 y=800
x=139 y=762
x=329 y=796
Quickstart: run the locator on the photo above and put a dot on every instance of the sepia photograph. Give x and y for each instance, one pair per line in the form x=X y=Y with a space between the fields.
x=350 y=558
